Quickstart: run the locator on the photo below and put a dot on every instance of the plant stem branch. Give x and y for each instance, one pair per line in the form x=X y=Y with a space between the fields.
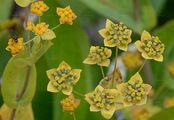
x=115 y=67
x=141 y=66
x=136 y=7
x=74 y=116
x=12 y=115
x=56 y=26
x=79 y=94
x=103 y=74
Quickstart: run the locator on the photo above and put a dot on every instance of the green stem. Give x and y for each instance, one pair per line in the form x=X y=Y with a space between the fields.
x=74 y=116
x=115 y=67
x=56 y=27
x=159 y=90
x=28 y=41
x=79 y=94
x=103 y=74
x=142 y=66
x=39 y=19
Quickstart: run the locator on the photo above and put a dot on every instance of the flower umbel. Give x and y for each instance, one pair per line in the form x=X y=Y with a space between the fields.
x=66 y=15
x=134 y=92
x=116 y=35
x=15 y=45
x=63 y=78
x=150 y=47
x=39 y=29
x=70 y=103
x=104 y=100
x=98 y=55
x=38 y=8
x=132 y=60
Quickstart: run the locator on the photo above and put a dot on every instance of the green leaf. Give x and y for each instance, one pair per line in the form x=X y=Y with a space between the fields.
x=158 y=5
x=48 y=35
x=23 y=3
x=165 y=33
x=123 y=11
x=166 y=114
x=5 y=5
x=17 y=71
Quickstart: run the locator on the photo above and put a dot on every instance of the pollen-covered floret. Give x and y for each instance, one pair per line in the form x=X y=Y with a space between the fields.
x=29 y=25
x=15 y=45
x=63 y=78
x=116 y=35
x=104 y=100
x=98 y=55
x=150 y=47
x=38 y=8
x=66 y=15
x=70 y=104
x=134 y=92
x=40 y=29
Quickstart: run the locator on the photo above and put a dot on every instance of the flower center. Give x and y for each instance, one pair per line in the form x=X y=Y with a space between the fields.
x=153 y=47
x=134 y=92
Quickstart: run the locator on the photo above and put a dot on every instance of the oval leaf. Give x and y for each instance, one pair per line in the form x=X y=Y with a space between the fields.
x=48 y=35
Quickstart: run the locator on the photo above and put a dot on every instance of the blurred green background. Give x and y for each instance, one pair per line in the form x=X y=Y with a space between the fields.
x=73 y=42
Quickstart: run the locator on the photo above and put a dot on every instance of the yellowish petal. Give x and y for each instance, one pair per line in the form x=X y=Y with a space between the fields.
x=145 y=56
x=50 y=73
x=104 y=63
x=108 y=113
x=106 y=43
x=143 y=101
x=89 y=61
x=108 y=23
x=147 y=88
x=121 y=47
x=145 y=35
x=109 y=53
x=160 y=58
x=76 y=73
x=138 y=46
x=88 y=98
x=121 y=88
x=103 y=33
x=136 y=78
x=64 y=65
x=51 y=88
x=128 y=104
x=94 y=108
x=67 y=91
x=129 y=32
x=99 y=88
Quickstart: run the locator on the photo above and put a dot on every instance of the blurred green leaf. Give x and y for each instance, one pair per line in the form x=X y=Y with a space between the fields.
x=158 y=5
x=5 y=5
x=165 y=33
x=15 y=74
x=166 y=114
x=123 y=11
x=48 y=35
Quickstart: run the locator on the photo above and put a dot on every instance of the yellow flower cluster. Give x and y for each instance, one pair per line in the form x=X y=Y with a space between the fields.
x=63 y=78
x=38 y=8
x=169 y=102
x=116 y=35
x=15 y=45
x=170 y=68
x=66 y=15
x=70 y=103
x=98 y=55
x=39 y=29
x=134 y=92
x=150 y=47
x=132 y=60
x=104 y=100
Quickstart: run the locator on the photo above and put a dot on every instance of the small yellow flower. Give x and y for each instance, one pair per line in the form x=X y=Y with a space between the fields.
x=40 y=28
x=169 y=102
x=170 y=68
x=66 y=15
x=134 y=92
x=144 y=112
x=62 y=78
x=98 y=55
x=150 y=47
x=38 y=8
x=15 y=45
x=116 y=35
x=105 y=100
x=30 y=25
x=132 y=60
x=70 y=103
